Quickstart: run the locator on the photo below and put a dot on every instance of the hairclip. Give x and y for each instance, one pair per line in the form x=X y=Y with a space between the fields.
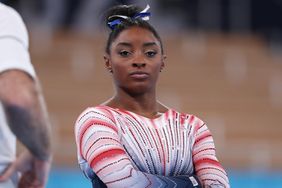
x=117 y=19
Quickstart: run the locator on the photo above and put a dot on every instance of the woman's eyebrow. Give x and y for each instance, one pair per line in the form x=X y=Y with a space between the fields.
x=146 y=44
x=150 y=44
x=124 y=44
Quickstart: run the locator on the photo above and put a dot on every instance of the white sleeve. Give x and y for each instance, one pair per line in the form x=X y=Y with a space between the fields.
x=13 y=42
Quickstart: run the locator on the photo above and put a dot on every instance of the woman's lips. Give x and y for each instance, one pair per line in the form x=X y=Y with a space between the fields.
x=139 y=75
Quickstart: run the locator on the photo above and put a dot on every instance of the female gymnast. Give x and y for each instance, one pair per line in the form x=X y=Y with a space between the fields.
x=132 y=139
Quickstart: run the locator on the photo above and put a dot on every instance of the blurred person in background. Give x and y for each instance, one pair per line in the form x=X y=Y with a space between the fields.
x=23 y=115
x=133 y=140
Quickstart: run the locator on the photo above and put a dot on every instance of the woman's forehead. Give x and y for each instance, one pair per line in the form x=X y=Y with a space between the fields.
x=136 y=35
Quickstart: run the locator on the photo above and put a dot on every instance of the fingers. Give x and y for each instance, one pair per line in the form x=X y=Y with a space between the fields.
x=22 y=163
x=29 y=180
x=8 y=172
x=34 y=171
x=37 y=176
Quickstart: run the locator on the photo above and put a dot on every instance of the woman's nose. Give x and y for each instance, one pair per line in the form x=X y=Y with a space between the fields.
x=139 y=62
x=138 y=65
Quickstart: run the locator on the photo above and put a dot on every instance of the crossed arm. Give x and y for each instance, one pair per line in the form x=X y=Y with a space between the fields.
x=98 y=143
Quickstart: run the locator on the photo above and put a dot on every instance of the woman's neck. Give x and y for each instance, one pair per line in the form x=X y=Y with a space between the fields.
x=145 y=105
x=139 y=103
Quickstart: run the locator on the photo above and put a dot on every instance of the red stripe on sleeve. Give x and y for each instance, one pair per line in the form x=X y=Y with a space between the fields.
x=205 y=135
x=90 y=123
x=209 y=161
x=106 y=154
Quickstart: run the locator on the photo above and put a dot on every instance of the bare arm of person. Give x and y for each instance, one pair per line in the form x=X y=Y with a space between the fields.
x=27 y=117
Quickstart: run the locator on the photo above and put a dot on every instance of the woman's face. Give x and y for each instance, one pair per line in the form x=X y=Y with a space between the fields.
x=135 y=60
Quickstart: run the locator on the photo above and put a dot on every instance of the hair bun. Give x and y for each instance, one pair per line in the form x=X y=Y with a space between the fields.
x=122 y=11
x=121 y=17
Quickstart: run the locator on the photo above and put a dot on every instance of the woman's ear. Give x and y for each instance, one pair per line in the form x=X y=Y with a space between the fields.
x=108 y=63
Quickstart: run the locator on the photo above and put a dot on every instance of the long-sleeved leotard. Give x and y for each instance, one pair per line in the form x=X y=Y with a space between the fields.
x=125 y=149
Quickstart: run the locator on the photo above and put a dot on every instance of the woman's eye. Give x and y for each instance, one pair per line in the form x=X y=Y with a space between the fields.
x=151 y=53
x=124 y=53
